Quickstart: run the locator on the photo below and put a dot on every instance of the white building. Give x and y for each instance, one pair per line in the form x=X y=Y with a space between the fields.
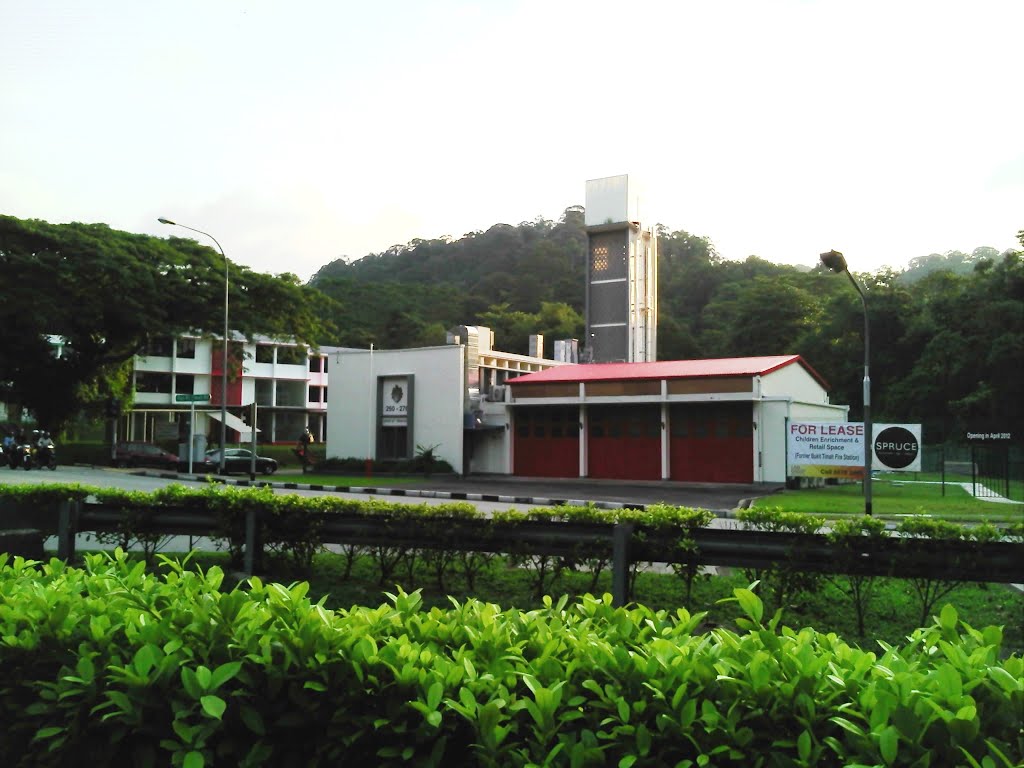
x=288 y=382
x=484 y=411
x=390 y=404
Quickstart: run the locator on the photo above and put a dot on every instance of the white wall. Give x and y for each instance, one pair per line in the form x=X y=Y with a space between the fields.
x=437 y=405
x=793 y=393
x=492 y=452
x=796 y=382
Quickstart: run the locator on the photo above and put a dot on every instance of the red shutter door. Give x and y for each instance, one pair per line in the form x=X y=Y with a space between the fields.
x=624 y=442
x=712 y=443
x=547 y=442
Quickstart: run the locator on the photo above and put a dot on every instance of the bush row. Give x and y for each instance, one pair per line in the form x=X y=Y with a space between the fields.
x=294 y=537
x=110 y=664
x=216 y=497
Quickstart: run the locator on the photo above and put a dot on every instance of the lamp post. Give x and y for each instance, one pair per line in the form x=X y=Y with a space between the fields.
x=224 y=361
x=835 y=261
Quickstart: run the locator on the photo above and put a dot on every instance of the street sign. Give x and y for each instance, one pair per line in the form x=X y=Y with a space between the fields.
x=191 y=398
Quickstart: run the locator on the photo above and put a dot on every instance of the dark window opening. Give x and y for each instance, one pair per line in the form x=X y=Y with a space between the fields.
x=394 y=443
x=161 y=346
x=187 y=348
x=153 y=382
x=291 y=355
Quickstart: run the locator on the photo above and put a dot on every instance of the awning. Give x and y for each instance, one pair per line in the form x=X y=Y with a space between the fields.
x=232 y=421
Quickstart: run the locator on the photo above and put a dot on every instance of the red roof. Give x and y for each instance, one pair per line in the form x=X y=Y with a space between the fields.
x=666 y=369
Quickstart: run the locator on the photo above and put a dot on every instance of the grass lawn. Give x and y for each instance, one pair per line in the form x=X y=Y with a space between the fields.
x=893 y=496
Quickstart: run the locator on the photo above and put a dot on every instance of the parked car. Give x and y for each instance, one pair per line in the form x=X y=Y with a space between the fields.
x=235 y=460
x=136 y=454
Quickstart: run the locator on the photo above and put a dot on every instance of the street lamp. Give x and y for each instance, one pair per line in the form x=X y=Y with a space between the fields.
x=835 y=261
x=224 y=361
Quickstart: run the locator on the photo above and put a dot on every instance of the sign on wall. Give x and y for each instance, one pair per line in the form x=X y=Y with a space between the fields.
x=394 y=402
x=897 y=447
x=825 y=449
x=836 y=449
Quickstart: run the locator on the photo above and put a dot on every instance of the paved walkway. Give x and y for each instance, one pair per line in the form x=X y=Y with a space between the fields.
x=977 y=490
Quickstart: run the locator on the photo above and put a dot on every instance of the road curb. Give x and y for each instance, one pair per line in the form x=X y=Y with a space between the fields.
x=407 y=492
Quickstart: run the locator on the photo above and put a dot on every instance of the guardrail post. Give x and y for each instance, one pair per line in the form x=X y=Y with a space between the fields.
x=253 y=545
x=621 y=535
x=67 y=517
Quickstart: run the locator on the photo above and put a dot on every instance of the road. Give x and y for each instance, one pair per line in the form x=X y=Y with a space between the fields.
x=514 y=493
x=134 y=480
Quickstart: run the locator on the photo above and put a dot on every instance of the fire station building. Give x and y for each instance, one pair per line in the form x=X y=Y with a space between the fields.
x=720 y=420
x=489 y=412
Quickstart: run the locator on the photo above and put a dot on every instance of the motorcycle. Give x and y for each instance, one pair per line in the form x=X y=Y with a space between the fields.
x=20 y=455
x=45 y=455
x=305 y=457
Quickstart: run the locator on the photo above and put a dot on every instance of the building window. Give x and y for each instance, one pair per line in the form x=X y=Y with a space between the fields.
x=153 y=382
x=325 y=395
x=264 y=392
x=291 y=355
x=315 y=364
x=291 y=393
x=187 y=349
x=184 y=384
x=325 y=367
x=161 y=346
x=314 y=394
x=264 y=353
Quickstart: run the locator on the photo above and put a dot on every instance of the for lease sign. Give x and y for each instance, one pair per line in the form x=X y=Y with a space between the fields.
x=825 y=449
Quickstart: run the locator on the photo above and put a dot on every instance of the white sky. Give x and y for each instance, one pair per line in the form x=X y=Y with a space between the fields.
x=300 y=132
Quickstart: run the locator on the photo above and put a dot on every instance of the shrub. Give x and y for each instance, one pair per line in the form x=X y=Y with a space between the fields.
x=110 y=665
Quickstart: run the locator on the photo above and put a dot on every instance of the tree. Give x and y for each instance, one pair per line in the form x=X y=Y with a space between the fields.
x=104 y=293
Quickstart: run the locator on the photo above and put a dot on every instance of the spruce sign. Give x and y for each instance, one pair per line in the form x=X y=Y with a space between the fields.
x=897 y=447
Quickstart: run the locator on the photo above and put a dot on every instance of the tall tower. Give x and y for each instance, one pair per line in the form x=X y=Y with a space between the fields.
x=622 y=275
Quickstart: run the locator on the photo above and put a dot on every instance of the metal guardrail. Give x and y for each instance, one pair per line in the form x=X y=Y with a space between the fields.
x=621 y=544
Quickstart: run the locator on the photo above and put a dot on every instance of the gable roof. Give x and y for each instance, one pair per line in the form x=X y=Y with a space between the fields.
x=666 y=369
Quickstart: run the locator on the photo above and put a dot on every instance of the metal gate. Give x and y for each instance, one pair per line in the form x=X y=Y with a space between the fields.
x=990 y=476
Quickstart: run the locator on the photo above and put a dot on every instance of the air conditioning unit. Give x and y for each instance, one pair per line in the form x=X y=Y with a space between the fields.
x=496 y=394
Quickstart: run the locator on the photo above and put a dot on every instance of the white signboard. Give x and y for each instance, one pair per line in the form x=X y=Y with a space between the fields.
x=897 y=447
x=825 y=449
x=394 y=402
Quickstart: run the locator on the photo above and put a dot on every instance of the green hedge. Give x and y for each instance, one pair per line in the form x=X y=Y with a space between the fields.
x=112 y=665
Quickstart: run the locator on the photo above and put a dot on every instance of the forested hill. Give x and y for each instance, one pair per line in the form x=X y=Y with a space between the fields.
x=947 y=333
